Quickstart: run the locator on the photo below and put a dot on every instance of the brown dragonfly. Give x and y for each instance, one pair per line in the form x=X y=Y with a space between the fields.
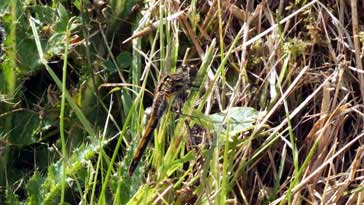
x=170 y=85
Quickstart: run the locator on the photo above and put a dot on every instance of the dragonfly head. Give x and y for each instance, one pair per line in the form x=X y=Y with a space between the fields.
x=191 y=70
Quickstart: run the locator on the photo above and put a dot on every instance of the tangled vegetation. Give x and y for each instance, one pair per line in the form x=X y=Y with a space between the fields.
x=273 y=116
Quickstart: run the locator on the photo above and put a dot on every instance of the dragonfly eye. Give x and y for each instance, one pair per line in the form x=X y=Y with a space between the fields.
x=192 y=71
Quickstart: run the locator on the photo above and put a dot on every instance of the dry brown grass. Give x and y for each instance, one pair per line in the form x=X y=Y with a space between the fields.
x=302 y=64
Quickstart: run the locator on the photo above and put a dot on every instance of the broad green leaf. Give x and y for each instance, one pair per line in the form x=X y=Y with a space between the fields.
x=34 y=189
x=241 y=119
x=28 y=128
x=109 y=66
x=55 y=46
x=45 y=14
x=62 y=20
x=124 y=59
x=27 y=55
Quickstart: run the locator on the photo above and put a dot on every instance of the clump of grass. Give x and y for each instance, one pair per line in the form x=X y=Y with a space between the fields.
x=273 y=117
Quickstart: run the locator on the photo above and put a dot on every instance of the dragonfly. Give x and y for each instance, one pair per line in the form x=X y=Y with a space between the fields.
x=169 y=86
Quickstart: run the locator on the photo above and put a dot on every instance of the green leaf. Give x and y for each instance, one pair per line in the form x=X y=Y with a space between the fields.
x=28 y=56
x=62 y=20
x=26 y=52
x=34 y=189
x=45 y=14
x=52 y=185
x=109 y=66
x=77 y=4
x=28 y=127
x=4 y=7
x=241 y=119
x=55 y=45
x=124 y=59
x=11 y=197
x=79 y=166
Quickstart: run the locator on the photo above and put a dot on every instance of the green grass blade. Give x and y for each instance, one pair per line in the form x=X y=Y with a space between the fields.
x=86 y=124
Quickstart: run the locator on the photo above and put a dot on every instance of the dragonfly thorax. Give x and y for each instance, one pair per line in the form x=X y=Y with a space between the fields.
x=174 y=83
